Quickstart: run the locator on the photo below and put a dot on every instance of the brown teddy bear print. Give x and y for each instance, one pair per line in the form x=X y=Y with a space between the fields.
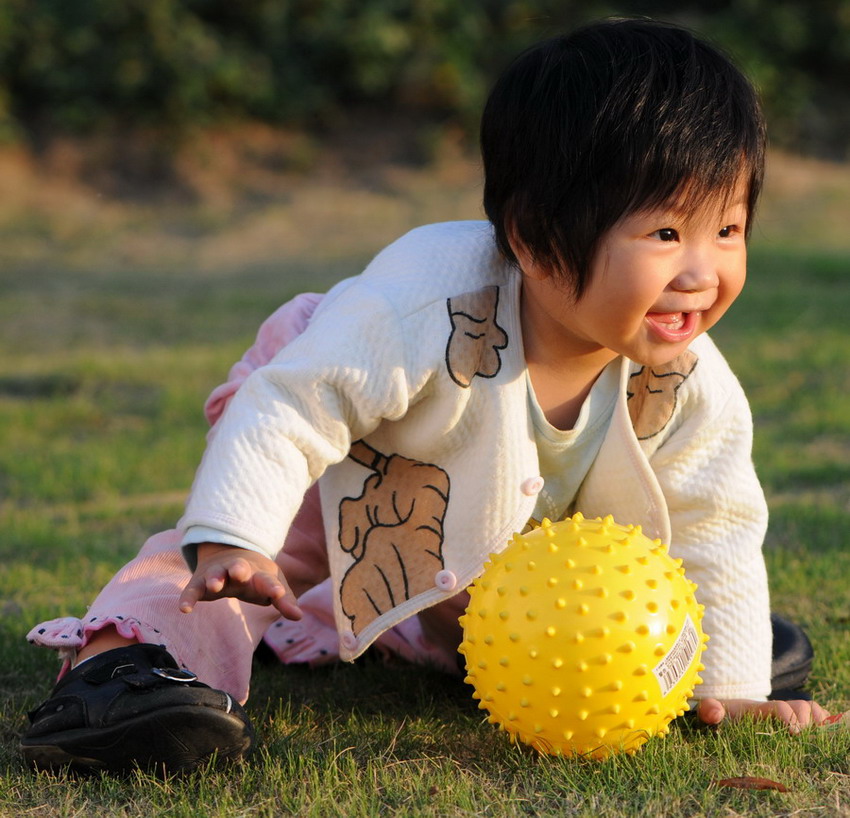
x=476 y=338
x=394 y=531
x=652 y=394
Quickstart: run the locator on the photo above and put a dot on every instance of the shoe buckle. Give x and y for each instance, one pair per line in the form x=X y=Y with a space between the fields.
x=174 y=674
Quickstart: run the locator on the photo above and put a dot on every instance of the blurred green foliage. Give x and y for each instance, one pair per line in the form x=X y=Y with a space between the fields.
x=83 y=65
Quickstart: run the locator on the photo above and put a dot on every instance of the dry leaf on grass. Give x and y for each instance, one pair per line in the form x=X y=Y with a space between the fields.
x=837 y=719
x=749 y=782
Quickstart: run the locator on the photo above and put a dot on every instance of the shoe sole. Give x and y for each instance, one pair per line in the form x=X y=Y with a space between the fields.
x=175 y=738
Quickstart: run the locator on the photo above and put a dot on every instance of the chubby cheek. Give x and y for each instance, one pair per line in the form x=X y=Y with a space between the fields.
x=737 y=285
x=730 y=288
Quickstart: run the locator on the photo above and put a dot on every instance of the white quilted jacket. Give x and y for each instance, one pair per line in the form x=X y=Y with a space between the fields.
x=407 y=398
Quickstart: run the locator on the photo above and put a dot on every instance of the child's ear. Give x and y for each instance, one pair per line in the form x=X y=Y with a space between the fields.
x=525 y=258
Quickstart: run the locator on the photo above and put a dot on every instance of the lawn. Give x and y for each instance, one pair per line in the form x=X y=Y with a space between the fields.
x=117 y=318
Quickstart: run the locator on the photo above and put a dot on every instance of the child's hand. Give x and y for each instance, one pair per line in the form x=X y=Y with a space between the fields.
x=797 y=713
x=227 y=571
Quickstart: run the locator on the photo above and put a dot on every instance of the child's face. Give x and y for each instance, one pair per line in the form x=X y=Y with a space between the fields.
x=658 y=280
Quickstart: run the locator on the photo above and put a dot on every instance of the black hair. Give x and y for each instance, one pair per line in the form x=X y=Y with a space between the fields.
x=621 y=115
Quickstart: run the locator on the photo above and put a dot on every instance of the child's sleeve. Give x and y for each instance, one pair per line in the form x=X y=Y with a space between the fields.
x=718 y=518
x=293 y=418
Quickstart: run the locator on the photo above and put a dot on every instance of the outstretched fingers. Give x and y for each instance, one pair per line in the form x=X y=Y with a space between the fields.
x=242 y=575
x=269 y=590
x=206 y=584
x=710 y=711
x=797 y=714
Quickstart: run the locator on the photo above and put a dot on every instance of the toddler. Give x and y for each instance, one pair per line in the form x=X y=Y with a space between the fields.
x=378 y=442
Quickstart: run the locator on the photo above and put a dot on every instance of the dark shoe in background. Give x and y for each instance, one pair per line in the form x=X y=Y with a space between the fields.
x=792 y=660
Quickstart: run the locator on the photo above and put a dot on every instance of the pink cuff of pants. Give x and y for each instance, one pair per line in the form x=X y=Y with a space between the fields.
x=67 y=634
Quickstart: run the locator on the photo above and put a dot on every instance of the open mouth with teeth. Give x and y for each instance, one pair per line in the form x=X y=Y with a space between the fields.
x=673 y=326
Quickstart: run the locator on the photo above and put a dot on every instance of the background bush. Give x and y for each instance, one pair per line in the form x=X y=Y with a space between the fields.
x=79 y=66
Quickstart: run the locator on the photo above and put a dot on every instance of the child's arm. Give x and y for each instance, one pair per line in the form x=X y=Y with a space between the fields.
x=797 y=714
x=718 y=520
x=228 y=571
x=298 y=415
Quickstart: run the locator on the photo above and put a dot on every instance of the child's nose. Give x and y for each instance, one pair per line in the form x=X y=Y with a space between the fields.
x=698 y=273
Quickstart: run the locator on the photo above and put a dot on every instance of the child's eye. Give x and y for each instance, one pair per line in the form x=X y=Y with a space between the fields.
x=727 y=231
x=666 y=234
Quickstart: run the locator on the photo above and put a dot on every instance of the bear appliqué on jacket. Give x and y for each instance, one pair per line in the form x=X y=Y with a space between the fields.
x=394 y=529
x=394 y=532
x=476 y=337
x=652 y=394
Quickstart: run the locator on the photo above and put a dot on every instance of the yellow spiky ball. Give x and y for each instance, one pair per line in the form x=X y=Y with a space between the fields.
x=583 y=638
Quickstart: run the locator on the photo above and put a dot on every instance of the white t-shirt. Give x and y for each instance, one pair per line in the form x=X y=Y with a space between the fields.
x=566 y=456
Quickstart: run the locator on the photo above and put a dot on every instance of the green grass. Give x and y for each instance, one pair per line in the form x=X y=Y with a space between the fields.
x=102 y=375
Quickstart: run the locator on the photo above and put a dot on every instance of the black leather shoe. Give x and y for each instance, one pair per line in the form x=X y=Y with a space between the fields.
x=792 y=660
x=133 y=706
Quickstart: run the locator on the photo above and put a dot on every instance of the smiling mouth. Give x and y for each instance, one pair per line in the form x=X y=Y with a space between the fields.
x=673 y=326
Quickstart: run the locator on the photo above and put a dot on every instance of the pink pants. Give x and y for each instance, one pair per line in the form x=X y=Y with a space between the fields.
x=217 y=641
